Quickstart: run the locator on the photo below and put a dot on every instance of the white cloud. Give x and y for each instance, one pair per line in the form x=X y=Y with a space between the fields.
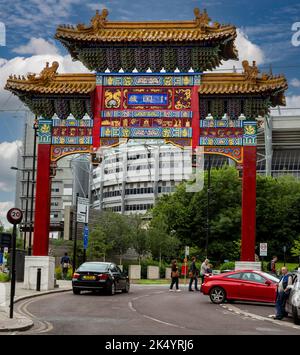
x=4 y=208
x=34 y=64
x=37 y=46
x=8 y=158
x=247 y=51
x=295 y=83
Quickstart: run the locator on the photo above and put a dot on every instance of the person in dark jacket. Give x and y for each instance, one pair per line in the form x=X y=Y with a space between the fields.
x=174 y=276
x=283 y=290
x=193 y=273
x=65 y=264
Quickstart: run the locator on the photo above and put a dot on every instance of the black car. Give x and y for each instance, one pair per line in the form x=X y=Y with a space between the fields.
x=293 y=303
x=93 y=276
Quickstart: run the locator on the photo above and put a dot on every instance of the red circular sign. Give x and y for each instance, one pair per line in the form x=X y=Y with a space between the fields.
x=14 y=216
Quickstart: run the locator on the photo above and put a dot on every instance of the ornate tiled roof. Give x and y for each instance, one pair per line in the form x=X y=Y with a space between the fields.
x=102 y=30
x=198 y=44
x=234 y=83
x=49 y=82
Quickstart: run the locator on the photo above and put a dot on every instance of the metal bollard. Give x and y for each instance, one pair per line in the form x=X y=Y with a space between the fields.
x=38 y=279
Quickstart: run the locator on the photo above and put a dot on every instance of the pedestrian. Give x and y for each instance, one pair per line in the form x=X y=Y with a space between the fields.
x=271 y=267
x=193 y=274
x=175 y=276
x=204 y=269
x=283 y=291
x=65 y=264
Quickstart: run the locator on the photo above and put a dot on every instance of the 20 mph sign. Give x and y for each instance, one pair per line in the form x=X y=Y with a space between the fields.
x=14 y=216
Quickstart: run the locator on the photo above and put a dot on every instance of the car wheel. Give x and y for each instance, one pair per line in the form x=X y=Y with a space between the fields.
x=295 y=316
x=126 y=289
x=76 y=291
x=217 y=295
x=112 y=289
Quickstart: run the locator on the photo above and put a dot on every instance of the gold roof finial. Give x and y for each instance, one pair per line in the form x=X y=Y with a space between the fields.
x=202 y=19
x=250 y=72
x=99 y=21
x=48 y=73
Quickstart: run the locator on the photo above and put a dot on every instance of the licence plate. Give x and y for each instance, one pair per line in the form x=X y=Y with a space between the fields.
x=89 y=278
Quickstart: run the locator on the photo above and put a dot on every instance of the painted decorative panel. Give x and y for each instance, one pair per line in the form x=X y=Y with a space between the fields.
x=122 y=132
x=141 y=99
x=235 y=153
x=60 y=151
x=227 y=133
x=250 y=131
x=147 y=113
x=44 y=131
x=149 y=80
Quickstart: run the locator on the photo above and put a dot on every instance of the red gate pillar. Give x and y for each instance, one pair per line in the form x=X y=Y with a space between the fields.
x=97 y=103
x=196 y=117
x=42 y=202
x=249 y=204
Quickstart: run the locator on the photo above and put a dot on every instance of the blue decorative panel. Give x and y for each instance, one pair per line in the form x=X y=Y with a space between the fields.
x=221 y=124
x=45 y=131
x=162 y=79
x=147 y=99
x=120 y=132
x=221 y=141
x=146 y=114
x=72 y=123
x=250 y=133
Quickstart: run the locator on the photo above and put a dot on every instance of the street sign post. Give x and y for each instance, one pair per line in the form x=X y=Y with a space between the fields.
x=85 y=241
x=263 y=249
x=284 y=251
x=14 y=216
x=83 y=210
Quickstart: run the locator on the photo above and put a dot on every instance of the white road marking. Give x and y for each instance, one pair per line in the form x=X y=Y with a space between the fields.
x=261 y=318
x=131 y=306
x=162 y=322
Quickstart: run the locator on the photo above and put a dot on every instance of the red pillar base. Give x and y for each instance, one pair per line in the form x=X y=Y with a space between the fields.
x=249 y=204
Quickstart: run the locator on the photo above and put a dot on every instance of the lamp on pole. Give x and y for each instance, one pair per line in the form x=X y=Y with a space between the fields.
x=27 y=198
x=35 y=128
x=208 y=206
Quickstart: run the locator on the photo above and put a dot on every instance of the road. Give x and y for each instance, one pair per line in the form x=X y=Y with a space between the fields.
x=146 y=310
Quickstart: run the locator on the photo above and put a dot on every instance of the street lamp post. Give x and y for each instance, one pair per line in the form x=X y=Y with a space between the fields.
x=35 y=128
x=208 y=207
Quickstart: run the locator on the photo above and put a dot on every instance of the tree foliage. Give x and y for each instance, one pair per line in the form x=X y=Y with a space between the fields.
x=278 y=213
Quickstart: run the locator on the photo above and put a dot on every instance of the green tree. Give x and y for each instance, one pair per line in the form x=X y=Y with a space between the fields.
x=278 y=211
x=139 y=236
x=295 y=251
x=99 y=245
x=163 y=242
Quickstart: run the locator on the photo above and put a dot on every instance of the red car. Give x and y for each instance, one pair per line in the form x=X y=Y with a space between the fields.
x=244 y=285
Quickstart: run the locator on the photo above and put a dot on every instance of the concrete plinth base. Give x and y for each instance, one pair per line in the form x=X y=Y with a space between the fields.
x=248 y=265
x=47 y=266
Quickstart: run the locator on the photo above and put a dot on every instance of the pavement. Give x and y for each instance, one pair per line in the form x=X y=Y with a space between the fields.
x=21 y=322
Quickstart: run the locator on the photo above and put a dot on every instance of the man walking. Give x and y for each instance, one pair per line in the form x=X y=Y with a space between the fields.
x=283 y=291
x=65 y=264
x=193 y=273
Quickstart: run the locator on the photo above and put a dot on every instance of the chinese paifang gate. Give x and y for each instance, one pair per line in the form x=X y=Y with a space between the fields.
x=125 y=100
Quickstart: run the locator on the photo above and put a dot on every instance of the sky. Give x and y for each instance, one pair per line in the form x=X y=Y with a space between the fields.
x=27 y=28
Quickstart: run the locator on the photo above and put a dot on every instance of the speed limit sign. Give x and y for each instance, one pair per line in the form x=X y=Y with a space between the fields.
x=14 y=216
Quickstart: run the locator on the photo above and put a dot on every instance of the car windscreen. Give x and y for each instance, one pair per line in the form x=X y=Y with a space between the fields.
x=93 y=267
x=270 y=277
